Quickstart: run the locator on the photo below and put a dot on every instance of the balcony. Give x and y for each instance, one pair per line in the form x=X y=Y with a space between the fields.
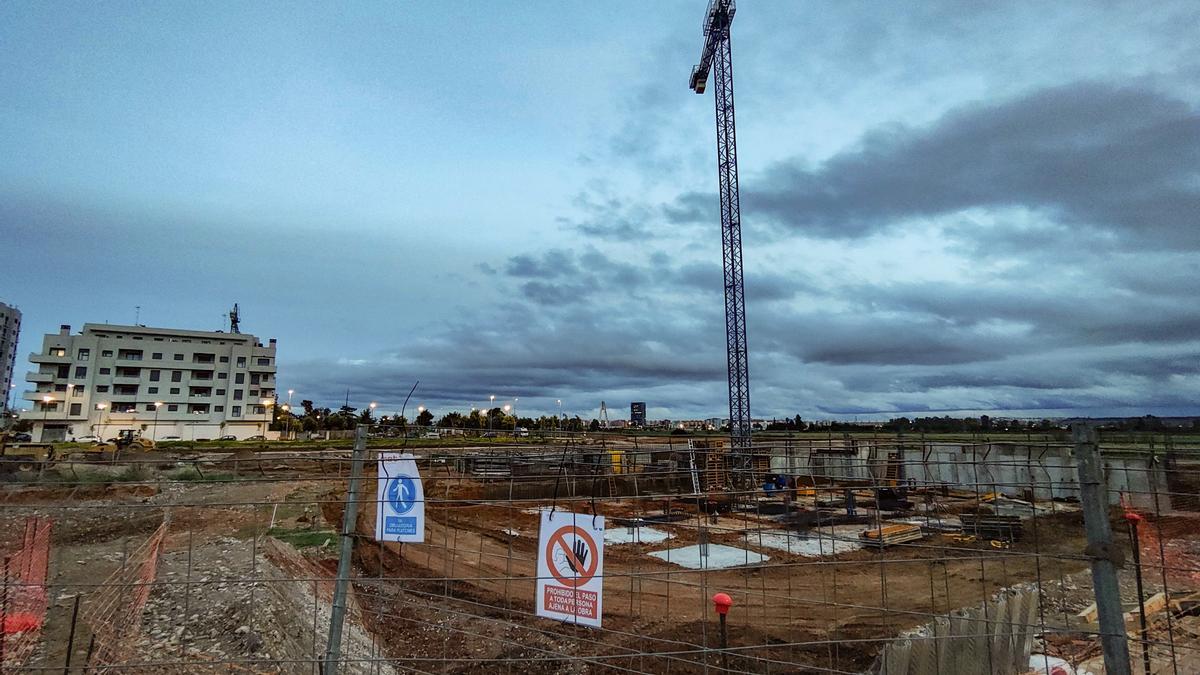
x=49 y=358
x=32 y=376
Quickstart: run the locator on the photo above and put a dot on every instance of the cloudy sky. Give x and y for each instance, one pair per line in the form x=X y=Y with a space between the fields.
x=946 y=206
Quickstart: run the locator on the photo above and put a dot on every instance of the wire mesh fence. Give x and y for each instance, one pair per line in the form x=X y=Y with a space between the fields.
x=844 y=554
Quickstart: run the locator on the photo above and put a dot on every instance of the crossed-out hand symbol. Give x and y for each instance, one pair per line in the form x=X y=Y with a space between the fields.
x=580 y=550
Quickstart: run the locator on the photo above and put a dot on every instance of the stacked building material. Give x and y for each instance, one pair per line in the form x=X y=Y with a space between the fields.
x=890 y=535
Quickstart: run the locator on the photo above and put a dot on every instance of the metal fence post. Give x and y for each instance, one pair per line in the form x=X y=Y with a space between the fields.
x=349 y=519
x=1093 y=496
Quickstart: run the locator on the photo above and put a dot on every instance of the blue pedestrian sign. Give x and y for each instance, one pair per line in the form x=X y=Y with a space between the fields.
x=400 y=509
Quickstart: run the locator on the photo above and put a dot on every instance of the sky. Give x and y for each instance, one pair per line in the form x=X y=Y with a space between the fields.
x=948 y=208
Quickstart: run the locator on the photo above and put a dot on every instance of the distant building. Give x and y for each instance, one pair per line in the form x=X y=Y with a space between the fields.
x=10 y=331
x=160 y=381
x=637 y=414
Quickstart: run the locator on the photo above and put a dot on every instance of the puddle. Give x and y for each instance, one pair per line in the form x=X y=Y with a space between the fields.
x=634 y=535
x=718 y=556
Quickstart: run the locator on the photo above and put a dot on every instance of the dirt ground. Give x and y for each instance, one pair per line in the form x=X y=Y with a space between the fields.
x=244 y=582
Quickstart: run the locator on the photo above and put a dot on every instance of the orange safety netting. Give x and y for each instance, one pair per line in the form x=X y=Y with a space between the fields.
x=23 y=596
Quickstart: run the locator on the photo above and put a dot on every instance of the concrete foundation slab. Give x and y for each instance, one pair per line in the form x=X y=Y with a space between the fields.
x=634 y=535
x=718 y=556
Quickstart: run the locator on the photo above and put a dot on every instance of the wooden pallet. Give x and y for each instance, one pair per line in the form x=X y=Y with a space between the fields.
x=890 y=535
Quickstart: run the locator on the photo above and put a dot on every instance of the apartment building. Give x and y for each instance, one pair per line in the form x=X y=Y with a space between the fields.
x=163 y=382
x=10 y=331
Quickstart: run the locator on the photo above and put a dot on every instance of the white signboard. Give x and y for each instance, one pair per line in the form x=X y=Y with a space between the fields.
x=400 y=506
x=570 y=585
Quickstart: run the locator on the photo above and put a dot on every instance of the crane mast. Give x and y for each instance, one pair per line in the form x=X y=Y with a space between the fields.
x=718 y=57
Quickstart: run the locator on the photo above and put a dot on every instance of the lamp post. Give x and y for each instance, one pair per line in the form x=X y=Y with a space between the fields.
x=506 y=408
x=267 y=403
x=420 y=409
x=45 y=411
x=154 y=431
x=558 y=420
x=489 y=412
x=100 y=425
x=289 y=409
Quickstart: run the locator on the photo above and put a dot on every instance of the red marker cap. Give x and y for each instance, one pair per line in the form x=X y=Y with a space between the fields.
x=723 y=602
x=1132 y=516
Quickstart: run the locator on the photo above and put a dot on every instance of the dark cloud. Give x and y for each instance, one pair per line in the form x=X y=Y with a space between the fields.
x=1085 y=154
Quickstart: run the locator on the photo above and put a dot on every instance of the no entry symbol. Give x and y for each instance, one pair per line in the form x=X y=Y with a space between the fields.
x=576 y=548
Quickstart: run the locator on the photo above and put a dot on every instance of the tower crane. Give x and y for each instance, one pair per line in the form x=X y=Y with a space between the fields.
x=718 y=57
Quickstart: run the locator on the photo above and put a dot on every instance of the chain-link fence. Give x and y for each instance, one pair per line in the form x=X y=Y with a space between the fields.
x=839 y=554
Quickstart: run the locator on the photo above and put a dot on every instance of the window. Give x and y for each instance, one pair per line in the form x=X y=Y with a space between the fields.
x=60 y=387
x=130 y=354
x=48 y=407
x=241 y=362
x=174 y=390
x=177 y=376
x=198 y=408
x=254 y=378
x=106 y=371
x=152 y=390
x=220 y=392
x=80 y=372
x=102 y=389
x=158 y=340
x=239 y=378
x=83 y=355
x=58 y=351
x=107 y=353
x=157 y=356
x=63 y=372
x=155 y=375
x=78 y=390
x=219 y=408
x=260 y=410
x=222 y=376
x=253 y=393
x=236 y=411
x=237 y=394
x=171 y=407
x=179 y=357
x=264 y=362
x=150 y=407
x=76 y=409
x=224 y=359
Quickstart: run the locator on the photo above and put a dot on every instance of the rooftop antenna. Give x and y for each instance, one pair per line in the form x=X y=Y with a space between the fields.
x=137 y=315
x=233 y=320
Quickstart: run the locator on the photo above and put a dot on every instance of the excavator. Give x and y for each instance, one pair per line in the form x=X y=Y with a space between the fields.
x=127 y=439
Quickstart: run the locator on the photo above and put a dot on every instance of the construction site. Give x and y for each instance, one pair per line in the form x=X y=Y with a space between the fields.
x=847 y=555
x=1069 y=552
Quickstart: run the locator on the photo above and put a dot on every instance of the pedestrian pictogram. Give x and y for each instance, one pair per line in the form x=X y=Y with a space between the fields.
x=400 y=508
x=571 y=567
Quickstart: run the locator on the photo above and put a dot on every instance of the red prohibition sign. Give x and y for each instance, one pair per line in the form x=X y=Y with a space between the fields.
x=559 y=537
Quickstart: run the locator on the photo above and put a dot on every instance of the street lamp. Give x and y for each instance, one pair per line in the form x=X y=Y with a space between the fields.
x=154 y=432
x=558 y=420
x=420 y=409
x=489 y=413
x=45 y=411
x=267 y=403
x=508 y=407
x=289 y=409
x=100 y=407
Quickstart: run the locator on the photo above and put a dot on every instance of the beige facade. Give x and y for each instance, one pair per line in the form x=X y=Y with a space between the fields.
x=163 y=382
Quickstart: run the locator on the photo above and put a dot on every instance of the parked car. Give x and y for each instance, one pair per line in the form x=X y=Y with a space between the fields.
x=228 y=437
x=431 y=434
x=22 y=438
x=170 y=438
x=257 y=438
x=87 y=439
x=521 y=432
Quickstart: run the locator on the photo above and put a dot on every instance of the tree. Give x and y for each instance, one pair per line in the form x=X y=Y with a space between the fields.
x=425 y=418
x=308 y=407
x=594 y=426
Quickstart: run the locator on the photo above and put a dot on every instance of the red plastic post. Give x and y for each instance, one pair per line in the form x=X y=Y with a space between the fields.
x=723 y=602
